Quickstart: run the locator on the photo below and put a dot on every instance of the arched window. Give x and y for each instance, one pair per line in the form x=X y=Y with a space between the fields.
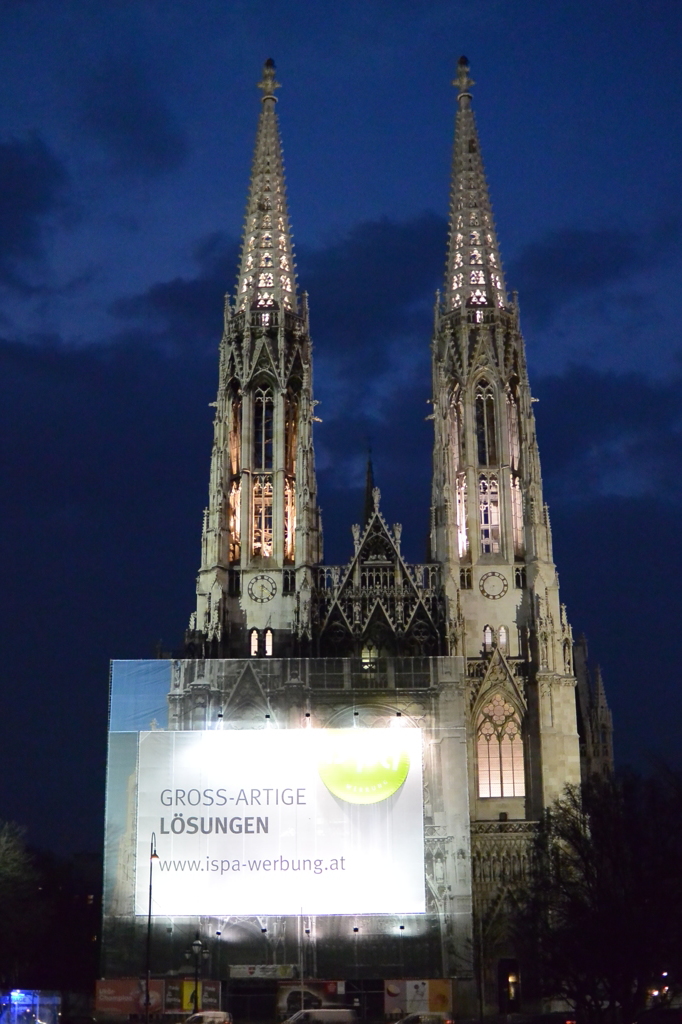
x=291 y=415
x=262 y=428
x=499 y=748
x=462 y=535
x=502 y=638
x=268 y=643
x=254 y=643
x=289 y=520
x=235 y=438
x=370 y=657
x=487 y=638
x=486 y=438
x=489 y=514
x=262 y=517
x=234 y=521
x=290 y=431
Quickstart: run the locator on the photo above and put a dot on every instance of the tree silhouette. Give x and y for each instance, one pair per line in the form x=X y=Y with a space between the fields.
x=600 y=920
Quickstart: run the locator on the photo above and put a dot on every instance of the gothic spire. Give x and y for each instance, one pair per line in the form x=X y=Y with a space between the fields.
x=474 y=275
x=266 y=276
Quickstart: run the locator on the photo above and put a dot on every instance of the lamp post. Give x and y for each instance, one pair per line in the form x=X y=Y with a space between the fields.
x=152 y=857
x=196 y=949
x=199 y=952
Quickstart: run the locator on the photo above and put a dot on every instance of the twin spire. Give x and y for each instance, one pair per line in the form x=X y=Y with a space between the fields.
x=267 y=278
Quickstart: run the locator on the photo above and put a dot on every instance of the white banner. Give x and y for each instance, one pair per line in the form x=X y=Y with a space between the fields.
x=313 y=821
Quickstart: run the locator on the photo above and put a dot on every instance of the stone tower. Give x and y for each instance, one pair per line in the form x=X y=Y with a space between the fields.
x=261 y=531
x=490 y=528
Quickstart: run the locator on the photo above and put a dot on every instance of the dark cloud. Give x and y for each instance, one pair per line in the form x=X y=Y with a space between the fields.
x=620 y=562
x=32 y=183
x=186 y=312
x=611 y=434
x=366 y=285
x=125 y=115
x=611 y=449
x=569 y=263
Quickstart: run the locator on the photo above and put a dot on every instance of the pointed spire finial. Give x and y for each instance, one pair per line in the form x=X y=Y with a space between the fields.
x=268 y=82
x=463 y=82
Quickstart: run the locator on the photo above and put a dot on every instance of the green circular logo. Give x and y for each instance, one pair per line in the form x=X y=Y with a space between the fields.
x=364 y=769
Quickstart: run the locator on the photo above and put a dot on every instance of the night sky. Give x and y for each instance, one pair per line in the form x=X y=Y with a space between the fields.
x=126 y=137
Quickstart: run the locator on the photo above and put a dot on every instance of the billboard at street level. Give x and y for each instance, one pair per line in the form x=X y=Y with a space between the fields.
x=415 y=996
x=269 y=821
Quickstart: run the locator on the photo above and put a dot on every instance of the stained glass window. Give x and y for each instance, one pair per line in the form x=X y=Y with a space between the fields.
x=500 y=749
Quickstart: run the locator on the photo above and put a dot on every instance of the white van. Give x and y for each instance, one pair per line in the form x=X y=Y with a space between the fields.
x=325 y=1015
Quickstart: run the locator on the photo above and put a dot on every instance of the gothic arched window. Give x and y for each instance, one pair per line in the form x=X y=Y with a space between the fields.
x=462 y=535
x=262 y=428
x=291 y=417
x=262 y=517
x=499 y=749
x=489 y=514
x=290 y=430
x=235 y=428
x=486 y=439
x=234 y=520
x=268 y=643
x=289 y=520
x=253 y=643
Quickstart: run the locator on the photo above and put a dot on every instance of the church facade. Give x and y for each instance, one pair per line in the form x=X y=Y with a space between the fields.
x=472 y=647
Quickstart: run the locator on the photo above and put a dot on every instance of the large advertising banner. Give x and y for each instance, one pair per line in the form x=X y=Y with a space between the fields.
x=268 y=821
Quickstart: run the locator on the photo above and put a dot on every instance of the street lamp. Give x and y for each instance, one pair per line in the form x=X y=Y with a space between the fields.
x=152 y=857
x=198 y=951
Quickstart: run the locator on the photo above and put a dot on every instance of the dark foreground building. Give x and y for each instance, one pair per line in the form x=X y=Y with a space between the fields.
x=341 y=773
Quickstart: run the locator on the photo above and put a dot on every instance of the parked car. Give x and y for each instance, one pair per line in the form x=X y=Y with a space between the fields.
x=428 y=1018
x=210 y=1017
x=304 y=999
x=324 y=1015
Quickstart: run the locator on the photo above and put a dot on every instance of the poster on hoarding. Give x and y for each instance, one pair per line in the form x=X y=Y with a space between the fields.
x=313 y=821
x=416 y=996
x=127 y=996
